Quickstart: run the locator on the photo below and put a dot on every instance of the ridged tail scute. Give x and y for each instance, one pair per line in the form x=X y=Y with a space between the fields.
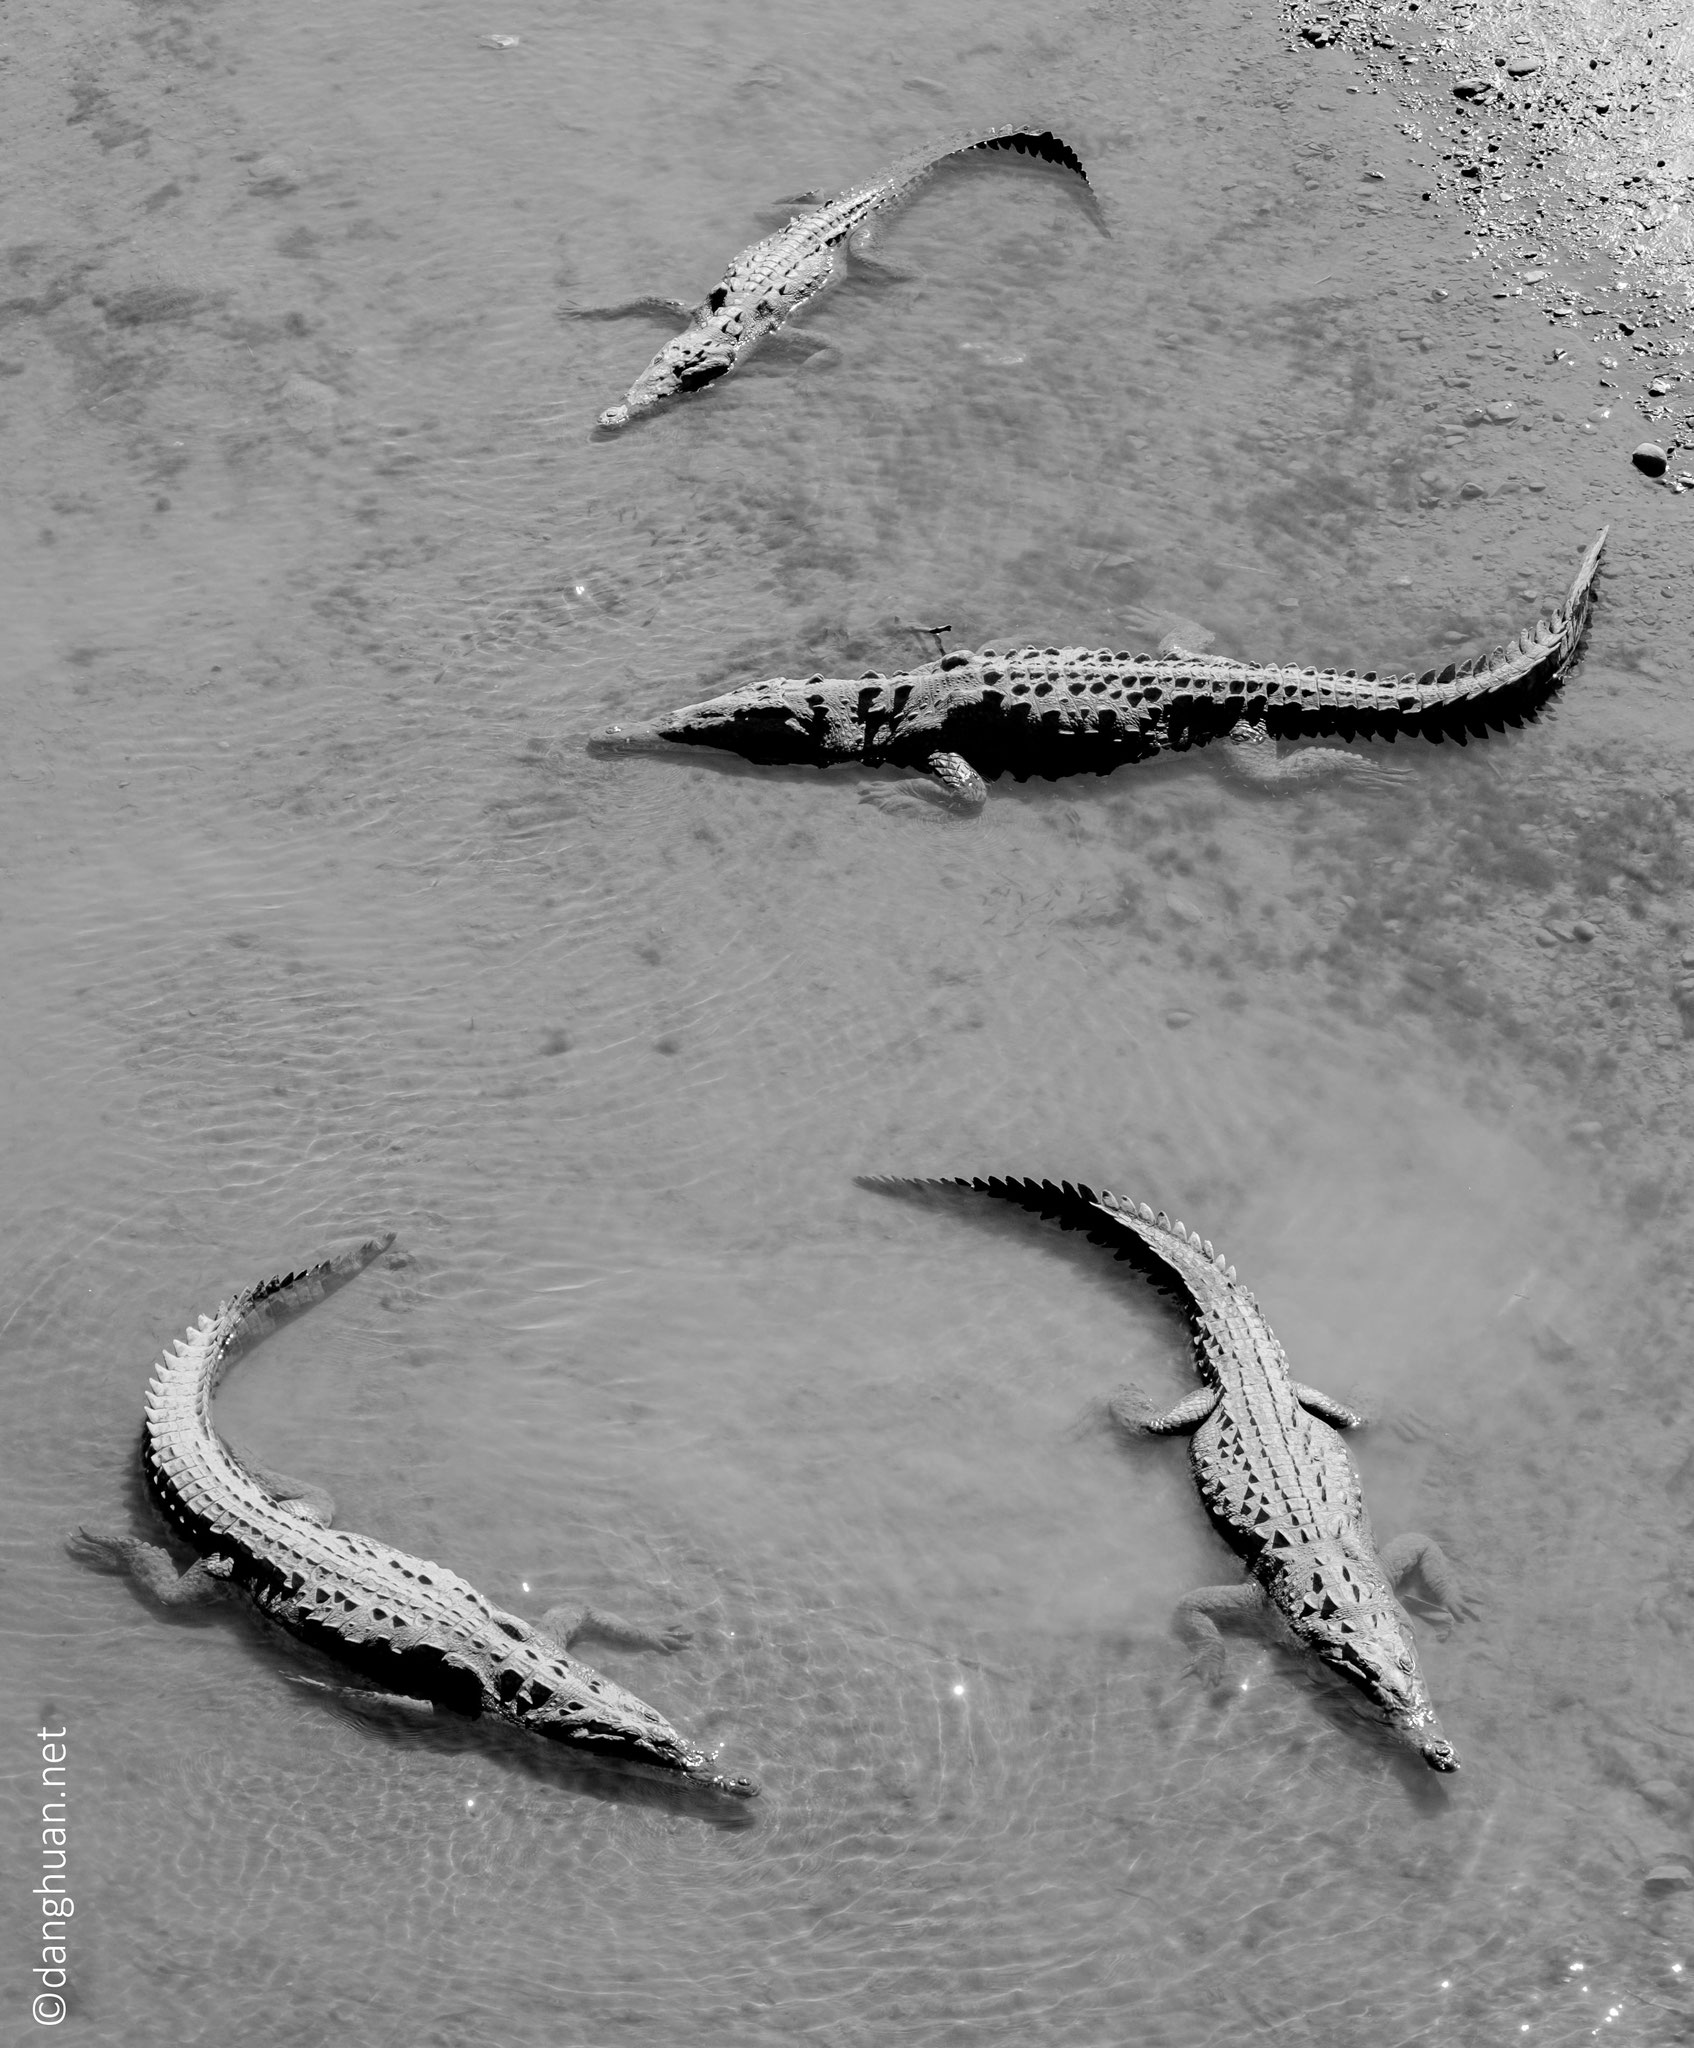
x=1048 y=147
x=1144 y=1244
x=1460 y=702
x=181 y=1453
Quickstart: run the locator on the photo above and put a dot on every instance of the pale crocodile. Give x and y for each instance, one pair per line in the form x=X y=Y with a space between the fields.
x=768 y=283
x=1048 y=711
x=1276 y=1478
x=408 y=1625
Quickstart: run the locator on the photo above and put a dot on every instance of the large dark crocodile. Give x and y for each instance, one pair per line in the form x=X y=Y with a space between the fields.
x=1066 y=710
x=768 y=283
x=1278 y=1482
x=410 y=1626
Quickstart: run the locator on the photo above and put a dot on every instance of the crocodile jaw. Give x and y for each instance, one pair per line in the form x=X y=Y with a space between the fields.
x=700 y=355
x=776 y=722
x=1383 y=1665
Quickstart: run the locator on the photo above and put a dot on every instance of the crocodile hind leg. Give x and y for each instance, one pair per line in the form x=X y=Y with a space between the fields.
x=864 y=260
x=1327 y=1409
x=1250 y=754
x=563 y=1625
x=1197 y=1628
x=366 y=1702
x=1423 y=1556
x=154 y=1570
x=296 y=1496
x=954 y=786
x=657 y=309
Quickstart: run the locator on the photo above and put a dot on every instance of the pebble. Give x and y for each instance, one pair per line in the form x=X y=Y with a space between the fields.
x=1180 y=907
x=1650 y=459
x=1688 y=957
x=1472 y=88
x=1502 y=410
x=1176 y=1019
x=1523 y=67
x=1545 y=938
x=1660 y=1792
x=1473 y=415
x=1472 y=489
x=275 y=176
x=1584 y=931
x=1669 y=1877
x=1658 y=388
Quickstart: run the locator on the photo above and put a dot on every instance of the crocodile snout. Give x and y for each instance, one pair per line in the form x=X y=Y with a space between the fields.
x=629 y=739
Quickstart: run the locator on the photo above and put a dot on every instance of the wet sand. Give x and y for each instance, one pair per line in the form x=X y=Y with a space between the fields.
x=321 y=918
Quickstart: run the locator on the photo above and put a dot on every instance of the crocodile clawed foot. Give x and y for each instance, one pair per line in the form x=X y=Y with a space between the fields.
x=563 y=1625
x=1250 y=754
x=1171 y=635
x=1207 y=1666
x=913 y=797
x=1130 y=1410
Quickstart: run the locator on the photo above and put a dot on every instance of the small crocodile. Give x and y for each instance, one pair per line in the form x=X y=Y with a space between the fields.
x=967 y=718
x=407 y=1624
x=768 y=283
x=1277 y=1480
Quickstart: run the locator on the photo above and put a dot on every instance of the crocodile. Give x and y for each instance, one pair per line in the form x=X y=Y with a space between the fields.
x=1275 y=1475
x=403 y=1623
x=967 y=718
x=768 y=283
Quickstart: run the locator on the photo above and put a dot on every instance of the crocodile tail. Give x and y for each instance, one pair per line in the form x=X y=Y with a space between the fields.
x=1015 y=139
x=1510 y=685
x=184 y=1383
x=1133 y=1232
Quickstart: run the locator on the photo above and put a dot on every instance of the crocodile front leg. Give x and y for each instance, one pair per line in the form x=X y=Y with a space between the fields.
x=366 y=1702
x=1197 y=1628
x=955 y=786
x=563 y=1625
x=154 y=1570
x=1422 y=1555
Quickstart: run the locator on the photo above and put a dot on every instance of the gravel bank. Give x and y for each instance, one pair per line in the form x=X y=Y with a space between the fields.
x=1564 y=130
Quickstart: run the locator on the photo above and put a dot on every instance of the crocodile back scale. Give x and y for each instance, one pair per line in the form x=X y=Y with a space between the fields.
x=1276 y=1478
x=1050 y=711
x=768 y=283
x=410 y=1625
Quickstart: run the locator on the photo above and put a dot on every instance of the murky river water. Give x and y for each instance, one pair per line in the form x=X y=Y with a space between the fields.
x=318 y=919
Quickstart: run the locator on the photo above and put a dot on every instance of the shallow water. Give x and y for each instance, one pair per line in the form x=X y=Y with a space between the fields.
x=319 y=919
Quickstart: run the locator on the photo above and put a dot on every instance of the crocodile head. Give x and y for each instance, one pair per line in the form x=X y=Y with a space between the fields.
x=774 y=722
x=706 y=350
x=1372 y=1648
x=616 y=1728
